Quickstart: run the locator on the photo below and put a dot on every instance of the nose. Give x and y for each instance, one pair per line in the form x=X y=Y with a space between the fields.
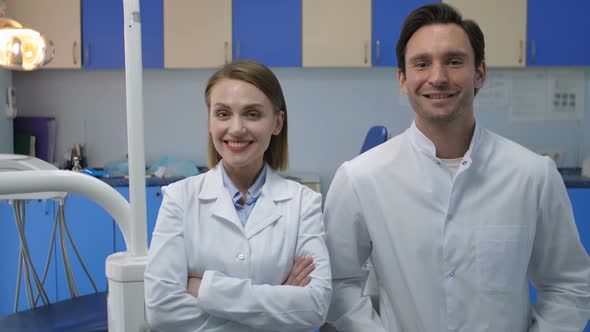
x=439 y=76
x=236 y=127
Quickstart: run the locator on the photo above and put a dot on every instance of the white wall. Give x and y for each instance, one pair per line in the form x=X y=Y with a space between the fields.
x=6 y=136
x=329 y=113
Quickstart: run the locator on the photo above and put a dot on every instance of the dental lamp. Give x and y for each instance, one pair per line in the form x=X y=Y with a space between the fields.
x=21 y=48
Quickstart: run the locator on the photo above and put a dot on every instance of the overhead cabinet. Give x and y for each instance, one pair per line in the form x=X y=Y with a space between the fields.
x=336 y=33
x=103 y=34
x=504 y=27
x=388 y=18
x=558 y=33
x=268 y=31
x=197 y=33
x=58 y=20
x=296 y=33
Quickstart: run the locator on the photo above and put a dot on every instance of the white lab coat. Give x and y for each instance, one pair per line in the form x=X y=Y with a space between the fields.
x=198 y=233
x=455 y=255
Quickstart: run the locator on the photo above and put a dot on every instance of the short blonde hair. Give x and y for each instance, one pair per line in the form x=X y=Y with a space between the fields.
x=259 y=75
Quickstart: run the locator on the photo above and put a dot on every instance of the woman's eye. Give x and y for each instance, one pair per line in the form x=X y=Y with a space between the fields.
x=221 y=114
x=253 y=114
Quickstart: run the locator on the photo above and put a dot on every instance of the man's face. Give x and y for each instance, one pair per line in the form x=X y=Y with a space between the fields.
x=440 y=73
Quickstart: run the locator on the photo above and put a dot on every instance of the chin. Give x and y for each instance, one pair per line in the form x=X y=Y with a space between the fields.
x=441 y=117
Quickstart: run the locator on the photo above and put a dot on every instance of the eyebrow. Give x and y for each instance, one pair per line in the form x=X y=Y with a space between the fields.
x=218 y=104
x=450 y=54
x=456 y=54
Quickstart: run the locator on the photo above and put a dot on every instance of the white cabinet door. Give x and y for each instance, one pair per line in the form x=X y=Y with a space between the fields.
x=336 y=33
x=197 y=33
x=58 y=20
x=504 y=27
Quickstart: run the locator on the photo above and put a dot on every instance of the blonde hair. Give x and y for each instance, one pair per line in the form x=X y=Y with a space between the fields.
x=257 y=74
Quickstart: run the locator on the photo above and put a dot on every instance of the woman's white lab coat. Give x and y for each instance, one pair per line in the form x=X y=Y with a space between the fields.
x=198 y=233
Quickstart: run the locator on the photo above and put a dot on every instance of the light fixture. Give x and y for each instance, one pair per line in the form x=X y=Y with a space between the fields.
x=23 y=49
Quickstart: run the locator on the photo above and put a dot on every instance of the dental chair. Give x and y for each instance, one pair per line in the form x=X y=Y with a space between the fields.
x=24 y=178
x=375 y=136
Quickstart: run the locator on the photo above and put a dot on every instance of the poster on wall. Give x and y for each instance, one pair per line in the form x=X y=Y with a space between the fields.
x=547 y=94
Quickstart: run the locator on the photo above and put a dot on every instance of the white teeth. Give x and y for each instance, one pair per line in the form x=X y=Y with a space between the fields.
x=237 y=144
x=439 y=96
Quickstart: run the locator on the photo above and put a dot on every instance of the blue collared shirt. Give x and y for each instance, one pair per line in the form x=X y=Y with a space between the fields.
x=253 y=194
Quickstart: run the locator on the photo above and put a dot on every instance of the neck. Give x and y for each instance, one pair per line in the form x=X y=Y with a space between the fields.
x=451 y=139
x=243 y=177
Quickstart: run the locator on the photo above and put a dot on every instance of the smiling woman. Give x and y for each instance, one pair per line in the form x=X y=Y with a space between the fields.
x=261 y=87
x=242 y=121
x=240 y=248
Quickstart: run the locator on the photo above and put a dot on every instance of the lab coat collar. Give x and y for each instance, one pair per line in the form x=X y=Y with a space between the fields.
x=265 y=211
x=425 y=145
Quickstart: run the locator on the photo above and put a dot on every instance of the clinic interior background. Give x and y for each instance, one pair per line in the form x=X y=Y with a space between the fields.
x=329 y=113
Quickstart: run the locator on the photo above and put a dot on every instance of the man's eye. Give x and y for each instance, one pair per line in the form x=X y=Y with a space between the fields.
x=421 y=65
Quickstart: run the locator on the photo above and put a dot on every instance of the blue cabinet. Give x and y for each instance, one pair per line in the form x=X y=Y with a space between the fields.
x=102 y=34
x=388 y=17
x=39 y=219
x=91 y=228
x=557 y=33
x=153 y=202
x=580 y=198
x=267 y=31
x=9 y=248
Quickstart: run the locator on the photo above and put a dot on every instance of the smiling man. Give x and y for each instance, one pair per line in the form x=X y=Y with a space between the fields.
x=456 y=219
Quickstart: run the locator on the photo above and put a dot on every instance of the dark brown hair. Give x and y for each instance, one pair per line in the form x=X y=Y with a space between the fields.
x=439 y=13
x=259 y=75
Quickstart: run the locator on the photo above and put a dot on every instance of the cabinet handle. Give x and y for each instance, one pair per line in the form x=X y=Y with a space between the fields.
x=225 y=49
x=87 y=54
x=378 y=51
x=238 y=50
x=74 y=52
x=366 y=60
x=520 y=51
x=533 y=51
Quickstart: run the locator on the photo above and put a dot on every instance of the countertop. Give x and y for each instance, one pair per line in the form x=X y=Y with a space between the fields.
x=571 y=177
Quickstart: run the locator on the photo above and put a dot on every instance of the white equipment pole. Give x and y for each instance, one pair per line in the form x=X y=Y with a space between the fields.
x=125 y=270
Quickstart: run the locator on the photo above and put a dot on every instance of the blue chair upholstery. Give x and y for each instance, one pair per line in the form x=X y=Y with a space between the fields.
x=375 y=136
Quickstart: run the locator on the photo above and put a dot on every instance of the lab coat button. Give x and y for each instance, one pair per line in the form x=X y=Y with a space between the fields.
x=452 y=274
x=465 y=162
x=241 y=257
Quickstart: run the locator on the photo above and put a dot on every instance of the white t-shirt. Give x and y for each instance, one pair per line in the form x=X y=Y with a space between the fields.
x=452 y=165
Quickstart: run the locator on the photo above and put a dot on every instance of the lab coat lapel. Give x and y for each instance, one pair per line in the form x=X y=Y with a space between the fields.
x=266 y=212
x=223 y=207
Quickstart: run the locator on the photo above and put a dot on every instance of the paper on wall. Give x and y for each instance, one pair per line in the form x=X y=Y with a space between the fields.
x=541 y=94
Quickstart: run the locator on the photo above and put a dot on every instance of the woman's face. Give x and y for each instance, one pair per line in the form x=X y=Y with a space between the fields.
x=241 y=123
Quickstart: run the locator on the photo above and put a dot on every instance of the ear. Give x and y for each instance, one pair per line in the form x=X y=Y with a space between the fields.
x=280 y=119
x=480 y=75
x=401 y=80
